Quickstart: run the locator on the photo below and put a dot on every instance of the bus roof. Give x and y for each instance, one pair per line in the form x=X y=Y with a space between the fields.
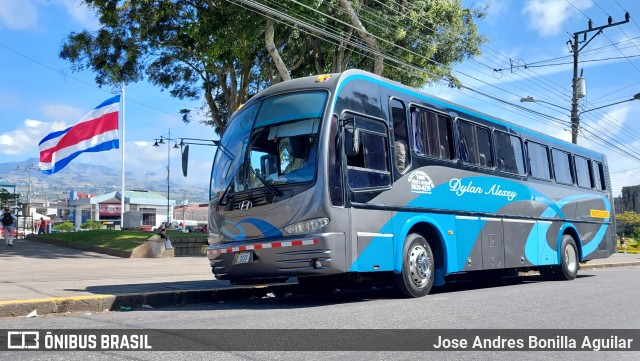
x=338 y=80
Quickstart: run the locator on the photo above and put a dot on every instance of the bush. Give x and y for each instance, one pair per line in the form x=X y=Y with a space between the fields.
x=63 y=227
x=91 y=225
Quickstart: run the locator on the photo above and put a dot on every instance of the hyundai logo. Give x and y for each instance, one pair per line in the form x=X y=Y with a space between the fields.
x=246 y=205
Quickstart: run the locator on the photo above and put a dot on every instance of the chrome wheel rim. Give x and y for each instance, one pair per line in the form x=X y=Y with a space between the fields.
x=570 y=258
x=419 y=266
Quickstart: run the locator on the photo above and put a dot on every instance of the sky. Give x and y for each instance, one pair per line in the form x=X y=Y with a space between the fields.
x=39 y=93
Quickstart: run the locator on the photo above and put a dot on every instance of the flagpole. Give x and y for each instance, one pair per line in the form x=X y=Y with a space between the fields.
x=123 y=146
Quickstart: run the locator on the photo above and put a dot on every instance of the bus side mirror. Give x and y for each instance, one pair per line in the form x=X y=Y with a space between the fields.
x=351 y=137
x=351 y=141
x=185 y=159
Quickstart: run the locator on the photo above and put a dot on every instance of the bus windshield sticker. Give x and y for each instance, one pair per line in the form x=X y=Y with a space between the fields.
x=420 y=182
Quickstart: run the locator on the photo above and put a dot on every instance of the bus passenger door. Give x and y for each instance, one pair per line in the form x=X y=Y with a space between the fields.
x=368 y=175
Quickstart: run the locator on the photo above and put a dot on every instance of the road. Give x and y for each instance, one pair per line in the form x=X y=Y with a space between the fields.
x=603 y=298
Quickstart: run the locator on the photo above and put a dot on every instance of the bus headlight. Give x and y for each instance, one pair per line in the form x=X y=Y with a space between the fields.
x=214 y=238
x=307 y=226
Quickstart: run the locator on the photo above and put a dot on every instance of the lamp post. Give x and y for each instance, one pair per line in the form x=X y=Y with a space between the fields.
x=530 y=99
x=159 y=141
x=27 y=168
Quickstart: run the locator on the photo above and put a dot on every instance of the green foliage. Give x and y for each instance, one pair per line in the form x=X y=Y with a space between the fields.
x=63 y=227
x=628 y=218
x=91 y=225
x=214 y=49
x=636 y=233
x=7 y=198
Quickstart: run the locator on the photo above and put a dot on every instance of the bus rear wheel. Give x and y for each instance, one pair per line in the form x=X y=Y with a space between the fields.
x=567 y=270
x=416 y=278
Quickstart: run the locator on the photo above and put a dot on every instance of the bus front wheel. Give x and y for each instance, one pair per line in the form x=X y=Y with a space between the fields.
x=418 y=267
x=569 y=264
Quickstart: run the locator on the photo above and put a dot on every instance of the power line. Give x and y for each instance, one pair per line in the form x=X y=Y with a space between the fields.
x=273 y=12
x=33 y=59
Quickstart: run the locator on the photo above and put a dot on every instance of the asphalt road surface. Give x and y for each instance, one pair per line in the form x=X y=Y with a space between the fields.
x=597 y=299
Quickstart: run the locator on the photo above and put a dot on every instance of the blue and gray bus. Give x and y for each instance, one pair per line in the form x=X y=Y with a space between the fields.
x=355 y=177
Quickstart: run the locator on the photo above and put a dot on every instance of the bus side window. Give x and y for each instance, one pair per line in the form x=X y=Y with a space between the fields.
x=432 y=133
x=369 y=168
x=583 y=172
x=598 y=171
x=475 y=144
x=562 y=166
x=400 y=137
x=510 y=153
x=538 y=161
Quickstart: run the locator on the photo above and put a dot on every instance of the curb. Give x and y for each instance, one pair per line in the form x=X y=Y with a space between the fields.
x=128 y=302
x=609 y=265
x=131 y=301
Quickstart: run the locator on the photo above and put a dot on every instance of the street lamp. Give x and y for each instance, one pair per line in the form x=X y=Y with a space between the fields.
x=576 y=120
x=635 y=97
x=159 y=141
x=27 y=168
x=534 y=100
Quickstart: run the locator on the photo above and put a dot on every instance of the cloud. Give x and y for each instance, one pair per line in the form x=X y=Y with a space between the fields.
x=548 y=16
x=81 y=13
x=495 y=9
x=62 y=112
x=610 y=124
x=25 y=140
x=18 y=14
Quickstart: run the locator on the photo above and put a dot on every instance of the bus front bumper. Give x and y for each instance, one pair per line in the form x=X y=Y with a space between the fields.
x=310 y=255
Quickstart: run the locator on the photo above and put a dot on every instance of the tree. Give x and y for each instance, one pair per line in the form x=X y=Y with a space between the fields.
x=7 y=198
x=628 y=218
x=91 y=225
x=225 y=53
x=65 y=226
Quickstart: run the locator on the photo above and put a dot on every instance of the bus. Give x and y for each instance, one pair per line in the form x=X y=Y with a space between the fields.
x=355 y=177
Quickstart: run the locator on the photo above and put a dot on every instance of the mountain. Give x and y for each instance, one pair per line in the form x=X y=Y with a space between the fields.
x=93 y=179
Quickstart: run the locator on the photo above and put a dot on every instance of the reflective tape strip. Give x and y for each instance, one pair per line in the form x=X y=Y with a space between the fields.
x=306 y=242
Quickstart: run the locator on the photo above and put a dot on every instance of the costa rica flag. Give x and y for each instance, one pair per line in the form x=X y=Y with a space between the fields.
x=95 y=132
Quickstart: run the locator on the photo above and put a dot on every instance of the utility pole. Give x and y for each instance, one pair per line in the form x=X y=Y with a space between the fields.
x=576 y=48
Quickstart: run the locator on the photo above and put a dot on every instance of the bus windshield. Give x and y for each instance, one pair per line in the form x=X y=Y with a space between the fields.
x=270 y=143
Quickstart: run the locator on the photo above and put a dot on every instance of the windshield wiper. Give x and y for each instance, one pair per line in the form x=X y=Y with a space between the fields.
x=269 y=186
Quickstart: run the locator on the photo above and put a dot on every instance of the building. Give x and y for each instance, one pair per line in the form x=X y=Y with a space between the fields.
x=630 y=199
x=142 y=209
x=193 y=216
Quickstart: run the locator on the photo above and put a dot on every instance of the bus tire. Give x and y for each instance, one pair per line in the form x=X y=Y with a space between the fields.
x=567 y=270
x=418 y=268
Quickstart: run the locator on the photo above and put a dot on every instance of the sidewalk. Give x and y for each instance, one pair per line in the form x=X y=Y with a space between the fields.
x=53 y=279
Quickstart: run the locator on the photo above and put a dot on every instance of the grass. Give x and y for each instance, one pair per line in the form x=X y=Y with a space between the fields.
x=119 y=240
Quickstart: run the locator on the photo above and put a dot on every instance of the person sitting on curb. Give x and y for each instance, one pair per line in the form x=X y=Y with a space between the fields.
x=167 y=241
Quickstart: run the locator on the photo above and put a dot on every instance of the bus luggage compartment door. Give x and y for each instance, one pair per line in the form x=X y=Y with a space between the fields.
x=492 y=243
x=469 y=247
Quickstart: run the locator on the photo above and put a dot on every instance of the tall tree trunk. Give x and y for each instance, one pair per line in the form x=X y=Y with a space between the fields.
x=366 y=36
x=273 y=51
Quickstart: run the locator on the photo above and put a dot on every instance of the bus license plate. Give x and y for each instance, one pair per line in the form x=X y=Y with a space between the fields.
x=242 y=257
